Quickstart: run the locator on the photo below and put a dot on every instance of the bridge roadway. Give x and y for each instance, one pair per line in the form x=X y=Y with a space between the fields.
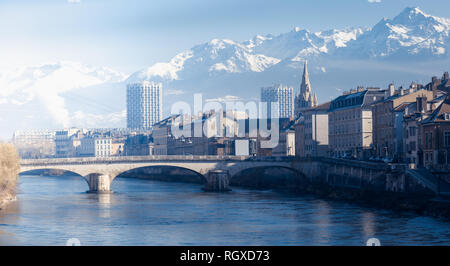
x=99 y=172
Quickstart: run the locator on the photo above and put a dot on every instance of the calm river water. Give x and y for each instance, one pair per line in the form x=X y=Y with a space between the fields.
x=51 y=210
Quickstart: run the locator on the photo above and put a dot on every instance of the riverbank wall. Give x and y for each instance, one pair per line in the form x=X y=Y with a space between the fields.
x=380 y=185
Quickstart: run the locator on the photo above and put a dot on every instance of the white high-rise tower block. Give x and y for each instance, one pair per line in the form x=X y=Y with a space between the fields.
x=144 y=104
x=283 y=95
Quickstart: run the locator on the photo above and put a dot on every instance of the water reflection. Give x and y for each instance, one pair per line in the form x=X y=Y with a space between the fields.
x=368 y=224
x=322 y=215
x=51 y=210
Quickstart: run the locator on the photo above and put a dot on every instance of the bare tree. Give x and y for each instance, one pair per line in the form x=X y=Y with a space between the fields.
x=9 y=171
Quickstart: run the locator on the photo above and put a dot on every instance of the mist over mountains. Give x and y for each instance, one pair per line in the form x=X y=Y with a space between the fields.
x=413 y=46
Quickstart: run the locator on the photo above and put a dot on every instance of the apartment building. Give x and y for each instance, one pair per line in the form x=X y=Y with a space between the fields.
x=350 y=123
x=388 y=117
x=95 y=146
x=436 y=137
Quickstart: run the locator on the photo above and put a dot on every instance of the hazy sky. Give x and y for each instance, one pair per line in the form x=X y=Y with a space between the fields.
x=131 y=34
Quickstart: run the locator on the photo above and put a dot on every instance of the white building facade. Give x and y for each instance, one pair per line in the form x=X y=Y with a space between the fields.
x=315 y=139
x=96 y=147
x=144 y=105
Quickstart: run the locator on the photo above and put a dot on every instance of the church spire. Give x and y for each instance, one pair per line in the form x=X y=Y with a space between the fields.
x=305 y=88
x=306 y=99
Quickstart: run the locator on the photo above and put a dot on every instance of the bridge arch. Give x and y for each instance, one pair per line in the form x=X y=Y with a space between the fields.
x=270 y=176
x=149 y=170
x=43 y=169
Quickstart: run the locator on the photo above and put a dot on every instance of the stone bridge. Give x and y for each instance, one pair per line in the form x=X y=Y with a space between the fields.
x=99 y=173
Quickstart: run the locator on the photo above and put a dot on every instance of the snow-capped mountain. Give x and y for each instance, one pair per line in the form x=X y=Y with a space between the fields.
x=43 y=95
x=255 y=55
x=71 y=94
x=213 y=57
x=411 y=34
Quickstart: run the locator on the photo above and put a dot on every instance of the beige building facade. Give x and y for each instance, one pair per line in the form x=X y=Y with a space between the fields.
x=387 y=143
x=350 y=123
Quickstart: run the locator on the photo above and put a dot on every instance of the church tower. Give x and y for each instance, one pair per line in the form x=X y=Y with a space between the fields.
x=305 y=99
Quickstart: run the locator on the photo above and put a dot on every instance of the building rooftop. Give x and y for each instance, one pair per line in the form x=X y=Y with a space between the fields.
x=354 y=100
x=323 y=106
x=402 y=106
x=441 y=114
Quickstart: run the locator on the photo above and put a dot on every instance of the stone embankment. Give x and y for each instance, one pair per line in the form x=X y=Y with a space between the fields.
x=368 y=184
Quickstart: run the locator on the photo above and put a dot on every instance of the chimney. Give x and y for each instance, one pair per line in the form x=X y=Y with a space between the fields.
x=421 y=102
x=391 y=89
x=413 y=87
x=434 y=80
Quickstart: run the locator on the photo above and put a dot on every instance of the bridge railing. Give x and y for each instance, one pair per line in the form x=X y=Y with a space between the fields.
x=137 y=159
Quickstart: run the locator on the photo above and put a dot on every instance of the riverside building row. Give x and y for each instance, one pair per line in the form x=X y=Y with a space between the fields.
x=409 y=125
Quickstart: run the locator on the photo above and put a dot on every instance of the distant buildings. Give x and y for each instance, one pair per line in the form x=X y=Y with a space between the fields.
x=305 y=99
x=212 y=140
x=144 y=105
x=35 y=143
x=282 y=95
x=350 y=123
x=138 y=145
x=286 y=143
x=65 y=146
x=162 y=135
x=95 y=146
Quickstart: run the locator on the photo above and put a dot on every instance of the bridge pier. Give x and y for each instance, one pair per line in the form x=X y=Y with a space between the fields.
x=217 y=181
x=99 y=183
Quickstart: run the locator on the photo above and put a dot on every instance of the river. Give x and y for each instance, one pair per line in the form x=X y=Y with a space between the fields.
x=50 y=210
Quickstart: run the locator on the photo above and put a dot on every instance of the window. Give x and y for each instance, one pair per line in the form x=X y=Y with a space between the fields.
x=431 y=140
x=447 y=139
x=447 y=116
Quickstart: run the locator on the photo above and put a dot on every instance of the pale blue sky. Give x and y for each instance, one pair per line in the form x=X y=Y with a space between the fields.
x=132 y=34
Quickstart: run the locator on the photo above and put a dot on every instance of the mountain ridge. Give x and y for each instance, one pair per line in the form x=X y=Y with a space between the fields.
x=410 y=33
